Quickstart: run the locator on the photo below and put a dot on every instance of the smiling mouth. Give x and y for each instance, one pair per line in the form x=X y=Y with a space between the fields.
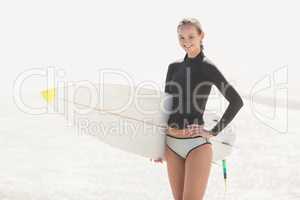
x=188 y=47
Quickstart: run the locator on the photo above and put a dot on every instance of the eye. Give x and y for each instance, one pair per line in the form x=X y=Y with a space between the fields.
x=182 y=38
x=191 y=37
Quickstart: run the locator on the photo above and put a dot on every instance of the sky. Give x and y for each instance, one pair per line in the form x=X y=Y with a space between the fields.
x=247 y=40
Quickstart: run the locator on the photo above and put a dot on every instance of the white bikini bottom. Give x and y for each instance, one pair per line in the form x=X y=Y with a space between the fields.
x=184 y=146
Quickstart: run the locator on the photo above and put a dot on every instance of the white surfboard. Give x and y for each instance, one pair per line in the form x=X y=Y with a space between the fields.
x=133 y=119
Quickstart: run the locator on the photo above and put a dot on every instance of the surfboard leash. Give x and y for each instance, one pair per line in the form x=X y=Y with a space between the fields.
x=224 y=165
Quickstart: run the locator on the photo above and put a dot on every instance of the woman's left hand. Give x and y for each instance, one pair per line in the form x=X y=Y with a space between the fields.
x=196 y=129
x=159 y=160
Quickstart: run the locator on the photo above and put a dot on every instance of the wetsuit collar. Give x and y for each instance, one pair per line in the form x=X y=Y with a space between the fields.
x=198 y=58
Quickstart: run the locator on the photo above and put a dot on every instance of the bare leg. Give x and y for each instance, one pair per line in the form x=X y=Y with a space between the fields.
x=175 y=167
x=197 y=169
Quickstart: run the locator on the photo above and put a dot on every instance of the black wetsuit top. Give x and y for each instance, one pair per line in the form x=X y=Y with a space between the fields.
x=189 y=82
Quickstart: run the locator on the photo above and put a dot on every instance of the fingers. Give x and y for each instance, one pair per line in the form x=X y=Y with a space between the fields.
x=194 y=129
x=191 y=130
x=159 y=160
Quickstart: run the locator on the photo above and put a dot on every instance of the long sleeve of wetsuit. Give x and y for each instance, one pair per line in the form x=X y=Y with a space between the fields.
x=168 y=79
x=228 y=91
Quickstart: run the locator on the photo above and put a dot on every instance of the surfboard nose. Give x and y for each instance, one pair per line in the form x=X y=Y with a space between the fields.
x=49 y=94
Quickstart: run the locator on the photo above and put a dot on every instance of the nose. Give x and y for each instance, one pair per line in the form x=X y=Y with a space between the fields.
x=186 y=43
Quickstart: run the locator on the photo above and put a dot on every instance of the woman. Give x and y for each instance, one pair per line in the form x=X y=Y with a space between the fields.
x=189 y=151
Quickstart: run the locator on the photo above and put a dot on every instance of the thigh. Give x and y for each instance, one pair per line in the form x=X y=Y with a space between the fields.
x=197 y=170
x=175 y=167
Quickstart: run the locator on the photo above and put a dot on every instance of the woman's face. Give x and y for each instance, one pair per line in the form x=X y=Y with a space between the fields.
x=190 y=38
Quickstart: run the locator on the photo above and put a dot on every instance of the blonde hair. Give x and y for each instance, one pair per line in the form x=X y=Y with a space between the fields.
x=191 y=21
